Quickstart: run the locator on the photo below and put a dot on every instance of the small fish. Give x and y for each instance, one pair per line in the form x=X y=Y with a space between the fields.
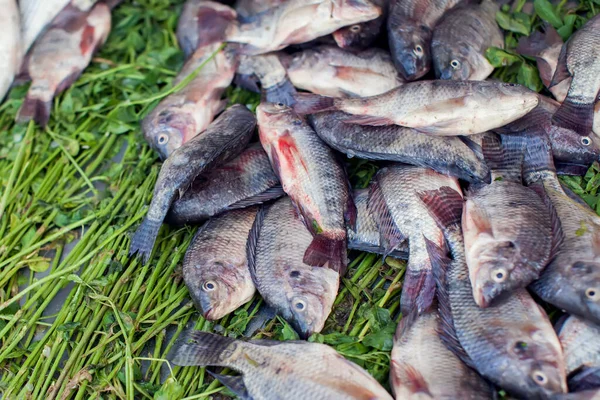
x=440 y=107
x=446 y=155
x=249 y=8
x=36 y=15
x=244 y=181
x=202 y=23
x=312 y=177
x=330 y=71
x=511 y=343
x=215 y=267
x=461 y=38
x=361 y=36
x=580 y=340
x=292 y=370
x=298 y=21
x=400 y=215
x=578 y=60
x=10 y=44
x=301 y=293
x=423 y=368
x=224 y=139
x=58 y=57
x=184 y=114
x=267 y=68
x=410 y=27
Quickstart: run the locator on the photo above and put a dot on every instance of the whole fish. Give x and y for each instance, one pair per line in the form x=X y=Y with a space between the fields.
x=400 y=215
x=580 y=340
x=272 y=75
x=301 y=293
x=423 y=368
x=511 y=343
x=184 y=114
x=578 y=60
x=290 y=370
x=410 y=28
x=330 y=71
x=215 y=267
x=248 y=8
x=440 y=107
x=361 y=36
x=36 y=15
x=58 y=57
x=461 y=38
x=10 y=44
x=298 y=21
x=202 y=23
x=224 y=139
x=447 y=155
x=244 y=181
x=508 y=230
x=311 y=176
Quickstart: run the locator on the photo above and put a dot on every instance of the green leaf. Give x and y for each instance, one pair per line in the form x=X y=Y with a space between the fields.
x=69 y=326
x=39 y=266
x=566 y=30
x=518 y=22
x=170 y=390
x=381 y=340
x=336 y=338
x=352 y=349
x=546 y=11
x=287 y=332
x=28 y=236
x=528 y=76
x=501 y=58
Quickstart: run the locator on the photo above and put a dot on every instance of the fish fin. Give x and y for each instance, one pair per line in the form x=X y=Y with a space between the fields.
x=571 y=169
x=390 y=234
x=414 y=381
x=271 y=193
x=368 y=120
x=505 y=160
x=585 y=378
x=201 y=349
x=308 y=103
x=575 y=116
x=247 y=81
x=233 y=383
x=573 y=196
x=252 y=242
x=561 y=73
x=144 y=238
x=418 y=289
x=327 y=252
x=275 y=163
x=471 y=144
x=537 y=153
x=35 y=109
x=445 y=206
x=283 y=92
x=478 y=217
x=558 y=235
x=351 y=212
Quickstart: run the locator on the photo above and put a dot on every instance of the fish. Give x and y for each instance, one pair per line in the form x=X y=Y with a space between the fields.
x=302 y=294
x=248 y=8
x=58 y=57
x=292 y=370
x=584 y=395
x=410 y=28
x=10 y=45
x=578 y=60
x=580 y=340
x=361 y=36
x=202 y=23
x=511 y=343
x=330 y=71
x=545 y=48
x=314 y=180
x=272 y=75
x=440 y=107
x=224 y=139
x=298 y=21
x=509 y=232
x=400 y=215
x=423 y=368
x=446 y=155
x=215 y=266
x=184 y=114
x=461 y=38
x=36 y=15
x=244 y=181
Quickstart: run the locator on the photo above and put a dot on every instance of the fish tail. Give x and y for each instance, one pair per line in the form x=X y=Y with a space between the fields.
x=144 y=238
x=576 y=116
x=34 y=108
x=283 y=92
x=308 y=103
x=445 y=206
x=538 y=153
x=418 y=290
x=326 y=252
x=201 y=349
x=505 y=159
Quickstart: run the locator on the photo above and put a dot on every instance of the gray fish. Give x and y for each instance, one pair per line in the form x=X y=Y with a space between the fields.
x=578 y=59
x=440 y=107
x=292 y=370
x=423 y=368
x=246 y=180
x=268 y=70
x=215 y=267
x=400 y=215
x=224 y=139
x=446 y=155
x=10 y=45
x=410 y=27
x=301 y=293
x=580 y=340
x=331 y=71
x=314 y=180
x=360 y=36
x=461 y=38
x=511 y=343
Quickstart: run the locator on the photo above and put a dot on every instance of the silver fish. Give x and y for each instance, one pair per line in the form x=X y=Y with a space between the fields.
x=10 y=44
x=361 y=36
x=580 y=340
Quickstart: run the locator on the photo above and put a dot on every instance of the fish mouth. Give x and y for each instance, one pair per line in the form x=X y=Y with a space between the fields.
x=485 y=294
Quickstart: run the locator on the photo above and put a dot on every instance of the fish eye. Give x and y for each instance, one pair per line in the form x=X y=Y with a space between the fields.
x=355 y=28
x=279 y=105
x=499 y=275
x=455 y=64
x=539 y=377
x=163 y=138
x=592 y=294
x=586 y=141
x=300 y=305
x=209 y=286
x=418 y=50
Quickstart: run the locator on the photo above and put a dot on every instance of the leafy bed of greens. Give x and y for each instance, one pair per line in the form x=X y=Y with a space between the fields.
x=94 y=323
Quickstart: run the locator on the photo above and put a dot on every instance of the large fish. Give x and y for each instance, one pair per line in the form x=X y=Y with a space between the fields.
x=447 y=155
x=224 y=139
x=330 y=71
x=244 y=181
x=36 y=15
x=580 y=340
x=400 y=215
x=10 y=44
x=292 y=370
x=312 y=177
x=579 y=60
x=301 y=293
x=215 y=267
x=298 y=21
x=410 y=27
x=461 y=38
x=58 y=57
x=511 y=343
x=361 y=36
x=184 y=114
x=440 y=107
x=272 y=75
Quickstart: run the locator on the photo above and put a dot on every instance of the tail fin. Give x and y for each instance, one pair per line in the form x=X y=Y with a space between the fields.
x=308 y=103
x=144 y=238
x=445 y=206
x=418 y=290
x=537 y=158
x=576 y=116
x=326 y=252
x=201 y=349
x=505 y=160
x=34 y=109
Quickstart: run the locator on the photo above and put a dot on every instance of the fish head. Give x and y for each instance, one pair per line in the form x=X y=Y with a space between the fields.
x=355 y=36
x=569 y=146
x=355 y=10
x=410 y=50
x=580 y=287
x=276 y=115
x=167 y=129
